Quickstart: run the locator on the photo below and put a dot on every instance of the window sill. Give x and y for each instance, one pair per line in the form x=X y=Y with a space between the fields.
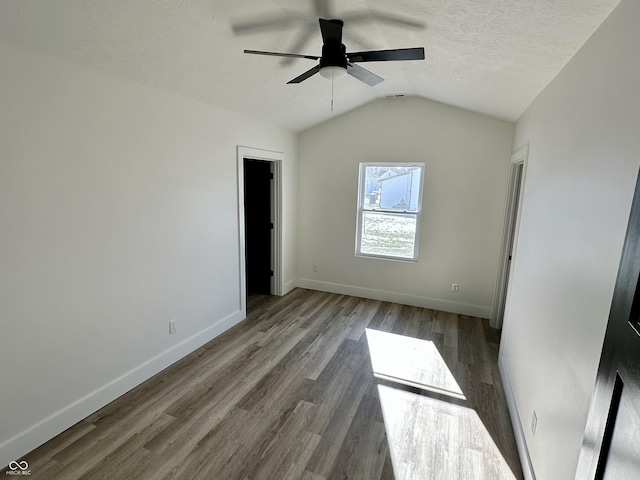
x=382 y=257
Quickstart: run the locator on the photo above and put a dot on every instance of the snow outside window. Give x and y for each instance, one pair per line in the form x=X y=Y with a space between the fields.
x=389 y=206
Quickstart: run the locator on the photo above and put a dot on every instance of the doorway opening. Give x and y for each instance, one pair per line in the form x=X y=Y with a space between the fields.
x=258 y=226
x=259 y=223
x=509 y=237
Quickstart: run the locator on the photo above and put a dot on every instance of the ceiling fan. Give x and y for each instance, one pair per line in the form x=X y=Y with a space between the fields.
x=335 y=62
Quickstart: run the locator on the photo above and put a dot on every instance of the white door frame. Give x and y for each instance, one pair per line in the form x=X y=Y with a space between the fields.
x=276 y=212
x=511 y=226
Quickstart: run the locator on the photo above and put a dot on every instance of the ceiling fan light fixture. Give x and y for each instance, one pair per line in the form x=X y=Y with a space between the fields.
x=333 y=72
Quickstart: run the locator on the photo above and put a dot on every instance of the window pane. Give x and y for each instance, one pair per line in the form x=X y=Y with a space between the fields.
x=391 y=188
x=388 y=234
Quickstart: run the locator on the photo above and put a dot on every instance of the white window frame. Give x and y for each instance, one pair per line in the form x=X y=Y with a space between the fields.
x=362 y=210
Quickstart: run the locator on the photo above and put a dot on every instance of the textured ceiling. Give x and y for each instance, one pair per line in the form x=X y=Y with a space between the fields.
x=489 y=56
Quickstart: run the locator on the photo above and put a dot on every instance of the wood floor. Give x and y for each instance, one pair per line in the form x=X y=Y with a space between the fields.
x=289 y=394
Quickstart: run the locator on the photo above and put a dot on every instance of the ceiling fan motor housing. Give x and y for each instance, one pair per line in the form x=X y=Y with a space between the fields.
x=333 y=55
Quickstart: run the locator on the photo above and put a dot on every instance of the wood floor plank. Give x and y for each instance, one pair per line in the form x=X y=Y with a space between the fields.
x=129 y=459
x=363 y=449
x=325 y=345
x=338 y=420
x=211 y=412
x=287 y=454
x=262 y=413
x=47 y=469
x=214 y=450
x=361 y=317
x=380 y=314
x=337 y=374
x=39 y=457
x=307 y=475
x=289 y=394
x=103 y=442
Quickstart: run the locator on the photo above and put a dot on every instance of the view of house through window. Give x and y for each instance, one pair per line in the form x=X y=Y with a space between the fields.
x=389 y=205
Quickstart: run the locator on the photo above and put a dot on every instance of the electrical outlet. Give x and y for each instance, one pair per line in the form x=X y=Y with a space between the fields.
x=534 y=423
x=172 y=326
x=315 y=268
x=455 y=287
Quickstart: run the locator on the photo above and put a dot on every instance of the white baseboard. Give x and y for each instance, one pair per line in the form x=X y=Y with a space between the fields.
x=521 y=441
x=19 y=445
x=289 y=286
x=404 y=299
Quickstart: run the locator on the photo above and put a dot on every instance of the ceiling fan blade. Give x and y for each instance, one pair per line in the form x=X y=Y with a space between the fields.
x=276 y=54
x=298 y=46
x=386 y=55
x=265 y=23
x=305 y=75
x=363 y=74
x=371 y=16
x=331 y=30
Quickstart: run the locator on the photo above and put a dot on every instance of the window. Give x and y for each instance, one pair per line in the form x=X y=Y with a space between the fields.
x=389 y=205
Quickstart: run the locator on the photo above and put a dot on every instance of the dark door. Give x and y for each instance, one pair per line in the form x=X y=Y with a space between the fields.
x=515 y=202
x=258 y=226
x=611 y=447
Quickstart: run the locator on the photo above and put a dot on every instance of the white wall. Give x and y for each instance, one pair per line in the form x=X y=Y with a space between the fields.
x=584 y=137
x=467 y=162
x=118 y=213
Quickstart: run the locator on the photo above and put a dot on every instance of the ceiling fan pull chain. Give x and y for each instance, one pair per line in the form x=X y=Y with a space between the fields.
x=332 y=90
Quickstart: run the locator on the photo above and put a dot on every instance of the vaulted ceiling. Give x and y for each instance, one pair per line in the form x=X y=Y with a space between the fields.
x=489 y=56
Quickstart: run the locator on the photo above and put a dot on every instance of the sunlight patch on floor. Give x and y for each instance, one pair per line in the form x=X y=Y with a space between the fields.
x=411 y=361
x=435 y=439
